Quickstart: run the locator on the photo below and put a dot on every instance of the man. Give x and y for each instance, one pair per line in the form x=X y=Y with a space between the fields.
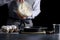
x=18 y=20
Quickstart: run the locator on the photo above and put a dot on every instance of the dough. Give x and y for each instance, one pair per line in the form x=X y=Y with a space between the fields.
x=24 y=9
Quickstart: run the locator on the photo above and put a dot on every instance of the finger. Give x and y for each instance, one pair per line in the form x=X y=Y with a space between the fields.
x=21 y=1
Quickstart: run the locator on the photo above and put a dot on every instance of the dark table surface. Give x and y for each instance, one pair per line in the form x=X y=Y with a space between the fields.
x=17 y=36
x=29 y=36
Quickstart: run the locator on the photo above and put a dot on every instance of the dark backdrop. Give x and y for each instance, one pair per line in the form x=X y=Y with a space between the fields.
x=3 y=14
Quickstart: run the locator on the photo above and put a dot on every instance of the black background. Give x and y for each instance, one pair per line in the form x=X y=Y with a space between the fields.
x=49 y=14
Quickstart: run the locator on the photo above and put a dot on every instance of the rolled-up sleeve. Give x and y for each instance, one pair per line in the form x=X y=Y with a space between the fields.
x=2 y=2
x=35 y=9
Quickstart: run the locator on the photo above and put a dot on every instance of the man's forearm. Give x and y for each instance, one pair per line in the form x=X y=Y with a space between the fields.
x=2 y=2
x=36 y=9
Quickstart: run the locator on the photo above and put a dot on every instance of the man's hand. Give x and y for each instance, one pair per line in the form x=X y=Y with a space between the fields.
x=23 y=17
